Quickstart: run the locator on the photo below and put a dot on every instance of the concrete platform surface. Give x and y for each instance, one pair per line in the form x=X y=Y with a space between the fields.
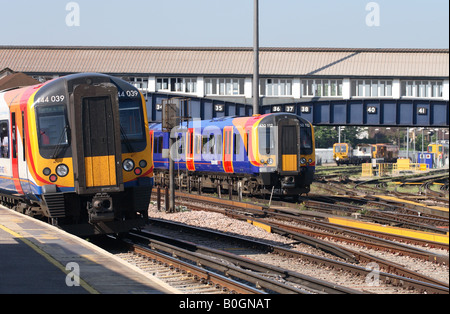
x=37 y=258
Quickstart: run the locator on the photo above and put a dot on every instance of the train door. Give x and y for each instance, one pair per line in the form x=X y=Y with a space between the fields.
x=14 y=154
x=97 y=156
x=20 y=149
x=190 y=150
x=152 y=138
x=228 y=149
x=289 y=144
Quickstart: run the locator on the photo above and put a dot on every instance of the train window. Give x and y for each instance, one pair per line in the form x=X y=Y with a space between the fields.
x=4 y=139
x=205 y=145
x=179 y=144
x=190 y=143
x=237 y=144
x=212 y=144
x=158 y=145
x=247 y=142
x=198 y=144
x=52 y=126
x=132 y=126
x=306 y=145
x=266 y=140
x=218 y=138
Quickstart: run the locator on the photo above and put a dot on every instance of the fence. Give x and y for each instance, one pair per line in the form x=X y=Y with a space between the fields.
x=382 y=169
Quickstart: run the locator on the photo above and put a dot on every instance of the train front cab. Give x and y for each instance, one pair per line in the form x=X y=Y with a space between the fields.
x=96 y=177
x=438 y=152
x=341 y=153
x=286 y=152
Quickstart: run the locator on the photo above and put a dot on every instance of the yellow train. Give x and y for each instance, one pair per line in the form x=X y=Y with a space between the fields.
x=76 y=151
x=440 y=152
x=343 y=153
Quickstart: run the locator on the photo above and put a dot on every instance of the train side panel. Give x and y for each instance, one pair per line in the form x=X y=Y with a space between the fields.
x=225 y=150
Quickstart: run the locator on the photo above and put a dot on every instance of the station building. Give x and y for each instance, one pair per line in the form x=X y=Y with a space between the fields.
x=287 y=75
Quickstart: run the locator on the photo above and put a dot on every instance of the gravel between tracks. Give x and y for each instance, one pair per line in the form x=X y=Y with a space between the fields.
x=222 y=223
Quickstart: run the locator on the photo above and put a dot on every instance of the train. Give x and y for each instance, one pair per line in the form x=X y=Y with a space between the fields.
x=344 y=154
x=440 y=152
x=76 y=152
x=258 y=155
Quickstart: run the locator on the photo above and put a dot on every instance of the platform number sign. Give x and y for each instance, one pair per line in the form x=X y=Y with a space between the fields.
x=159 y=107
x=219 y=108
x=277 y=109
x=305 y=109
x=422 y=110
x=371 y=110
x=289 y=108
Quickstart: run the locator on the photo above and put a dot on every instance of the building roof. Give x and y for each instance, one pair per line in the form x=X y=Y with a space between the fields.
x=16 y=80
x=339 y=62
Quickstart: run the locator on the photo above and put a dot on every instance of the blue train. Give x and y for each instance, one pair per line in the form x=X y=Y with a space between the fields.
x=263 y=154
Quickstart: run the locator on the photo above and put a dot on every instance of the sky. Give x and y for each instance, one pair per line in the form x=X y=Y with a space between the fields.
x=226 y=23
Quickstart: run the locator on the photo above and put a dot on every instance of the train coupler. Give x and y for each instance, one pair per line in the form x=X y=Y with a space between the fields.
x=100 y=208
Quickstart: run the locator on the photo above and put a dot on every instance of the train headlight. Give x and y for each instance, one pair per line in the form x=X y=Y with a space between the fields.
x=270 y=161
x=310 y=160
x=62 y=170
x=303 y=160
x=262 y=161
x=128 y=165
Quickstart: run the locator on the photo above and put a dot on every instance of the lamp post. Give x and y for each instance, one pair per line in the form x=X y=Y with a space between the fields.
x=256 y=57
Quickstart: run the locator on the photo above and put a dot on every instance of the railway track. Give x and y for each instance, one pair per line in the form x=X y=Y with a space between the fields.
x=185 y=277
x=312 y=236
x=234 y=208
x=314 y=227
x=355 y=270
x=231 y=265
x=415 y=216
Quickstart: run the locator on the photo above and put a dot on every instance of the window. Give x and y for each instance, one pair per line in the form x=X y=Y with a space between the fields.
x=322 y=88
x=140 y=82
x=224 y=86
x=212 y=144
x=436 y=89
x=237 y=144
x=4 y=139
x=205 y=145
x=266 y=140
x=306 y=139
x=132 y=128
x=275 y=87
x=219 y=143
x=371 y=88
x=52 y=130
x=177 y=84
x=421 y=89
x=52 y=126
x=158 y=144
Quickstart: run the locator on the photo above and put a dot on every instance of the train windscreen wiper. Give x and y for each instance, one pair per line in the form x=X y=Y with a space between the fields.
x=126 y=140
x=58 y=146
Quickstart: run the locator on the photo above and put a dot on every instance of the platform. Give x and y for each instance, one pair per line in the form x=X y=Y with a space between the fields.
x=370 y=226
x=34 y=257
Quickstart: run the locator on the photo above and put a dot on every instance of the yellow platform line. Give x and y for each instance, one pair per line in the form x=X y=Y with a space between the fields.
x=429 y=236
x=391 y=198
x=48 y=257
x=260 y=225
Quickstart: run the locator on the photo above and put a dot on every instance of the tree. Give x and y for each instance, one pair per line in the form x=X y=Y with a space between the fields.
x=325 y=136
